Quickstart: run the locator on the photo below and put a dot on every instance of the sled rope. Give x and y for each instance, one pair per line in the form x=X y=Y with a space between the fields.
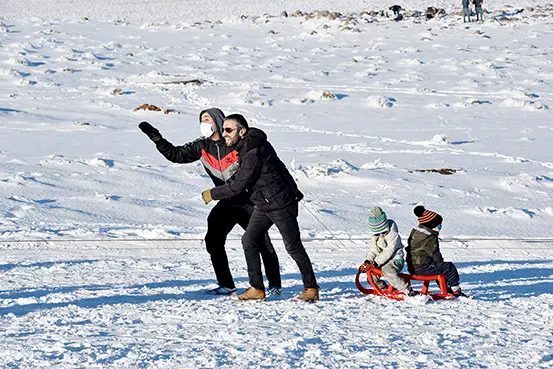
x=325 y=227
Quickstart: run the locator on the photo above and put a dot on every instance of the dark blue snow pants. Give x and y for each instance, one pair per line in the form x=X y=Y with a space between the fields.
x=445 y=267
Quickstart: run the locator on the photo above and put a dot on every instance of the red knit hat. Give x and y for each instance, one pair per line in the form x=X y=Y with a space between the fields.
x=427 y=218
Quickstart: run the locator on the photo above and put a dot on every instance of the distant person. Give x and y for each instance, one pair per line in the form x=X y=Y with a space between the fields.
x=478 y=9
x=466 y=10
x=385 y=252
x=397 y=9
x=220 y=162
x=431 y=12
x=274 y=193
x=423 y=250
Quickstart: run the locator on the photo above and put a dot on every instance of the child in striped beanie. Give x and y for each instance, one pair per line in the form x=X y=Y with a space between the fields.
x=423 y=250
x=385 y=251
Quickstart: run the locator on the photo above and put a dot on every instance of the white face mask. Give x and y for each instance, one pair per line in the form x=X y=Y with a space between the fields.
x=205 y=130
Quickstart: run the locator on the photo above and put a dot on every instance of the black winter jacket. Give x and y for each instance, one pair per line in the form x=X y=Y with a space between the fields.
x=261 y=173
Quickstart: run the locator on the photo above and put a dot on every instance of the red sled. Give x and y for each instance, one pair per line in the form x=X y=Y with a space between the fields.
x=394 y=294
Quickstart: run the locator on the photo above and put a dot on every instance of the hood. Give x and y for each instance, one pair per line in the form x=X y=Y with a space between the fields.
x=254 y=138
x=218 y=117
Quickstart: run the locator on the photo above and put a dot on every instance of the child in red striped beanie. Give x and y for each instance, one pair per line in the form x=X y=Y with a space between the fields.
x=423 y=250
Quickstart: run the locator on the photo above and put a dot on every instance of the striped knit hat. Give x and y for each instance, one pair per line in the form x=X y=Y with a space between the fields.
x=428 y=218
x=378 y=222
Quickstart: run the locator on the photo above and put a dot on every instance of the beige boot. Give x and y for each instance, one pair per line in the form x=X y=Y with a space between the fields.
x=252 y=294
x=309 y=295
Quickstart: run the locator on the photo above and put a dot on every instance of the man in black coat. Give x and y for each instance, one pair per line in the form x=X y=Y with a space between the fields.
x=220 y=162
x=275 y=195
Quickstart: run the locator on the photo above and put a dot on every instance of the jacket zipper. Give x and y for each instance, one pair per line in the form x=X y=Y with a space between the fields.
x=219 y=161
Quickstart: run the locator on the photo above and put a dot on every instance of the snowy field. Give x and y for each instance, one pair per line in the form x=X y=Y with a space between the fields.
x=101 y=258
x=190 y=11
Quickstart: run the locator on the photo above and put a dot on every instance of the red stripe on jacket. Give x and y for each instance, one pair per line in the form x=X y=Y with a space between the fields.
x=226 y=161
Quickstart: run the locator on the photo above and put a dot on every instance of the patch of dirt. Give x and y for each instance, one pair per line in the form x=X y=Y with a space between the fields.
x=147 y=107
x=153 y=108
x=193 y=82
x=444 y=171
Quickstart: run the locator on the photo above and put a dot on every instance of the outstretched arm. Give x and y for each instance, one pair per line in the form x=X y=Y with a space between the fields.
x=186 y=153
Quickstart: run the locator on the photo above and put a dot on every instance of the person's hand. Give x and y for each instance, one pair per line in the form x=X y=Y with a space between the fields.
x=367 y=264
x=206 y=195
x=150 y=131
x=364 y=268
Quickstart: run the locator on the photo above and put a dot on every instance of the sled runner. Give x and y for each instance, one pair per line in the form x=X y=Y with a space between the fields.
x=394 y=294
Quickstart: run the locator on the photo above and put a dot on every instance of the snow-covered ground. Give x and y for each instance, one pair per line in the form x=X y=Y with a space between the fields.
x=101 y=258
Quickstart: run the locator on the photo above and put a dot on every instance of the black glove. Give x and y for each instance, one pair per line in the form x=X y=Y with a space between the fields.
x=299 y=195
x=150 y=131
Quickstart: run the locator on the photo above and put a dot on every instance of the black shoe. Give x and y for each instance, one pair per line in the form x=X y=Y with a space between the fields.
x=221 y=291
x=459 y=293
x=456 y=291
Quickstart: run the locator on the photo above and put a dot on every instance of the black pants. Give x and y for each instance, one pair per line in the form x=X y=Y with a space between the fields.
x=221 y=220
x=287 y=223
x=446 y=268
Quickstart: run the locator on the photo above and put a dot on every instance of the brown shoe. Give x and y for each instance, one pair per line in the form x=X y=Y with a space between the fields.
x=309 y=295
x=252 y=294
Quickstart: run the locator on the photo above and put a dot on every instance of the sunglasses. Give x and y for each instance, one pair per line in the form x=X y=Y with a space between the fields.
x=229 y=130
x=381 y=233
x=439 y=226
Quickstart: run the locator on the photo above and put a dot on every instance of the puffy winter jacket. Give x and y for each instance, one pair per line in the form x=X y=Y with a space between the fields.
x=261 y=173
x=423 y=248
x=384 y=249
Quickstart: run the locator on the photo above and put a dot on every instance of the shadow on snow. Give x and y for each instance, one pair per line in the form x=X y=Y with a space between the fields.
x=520 y=279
